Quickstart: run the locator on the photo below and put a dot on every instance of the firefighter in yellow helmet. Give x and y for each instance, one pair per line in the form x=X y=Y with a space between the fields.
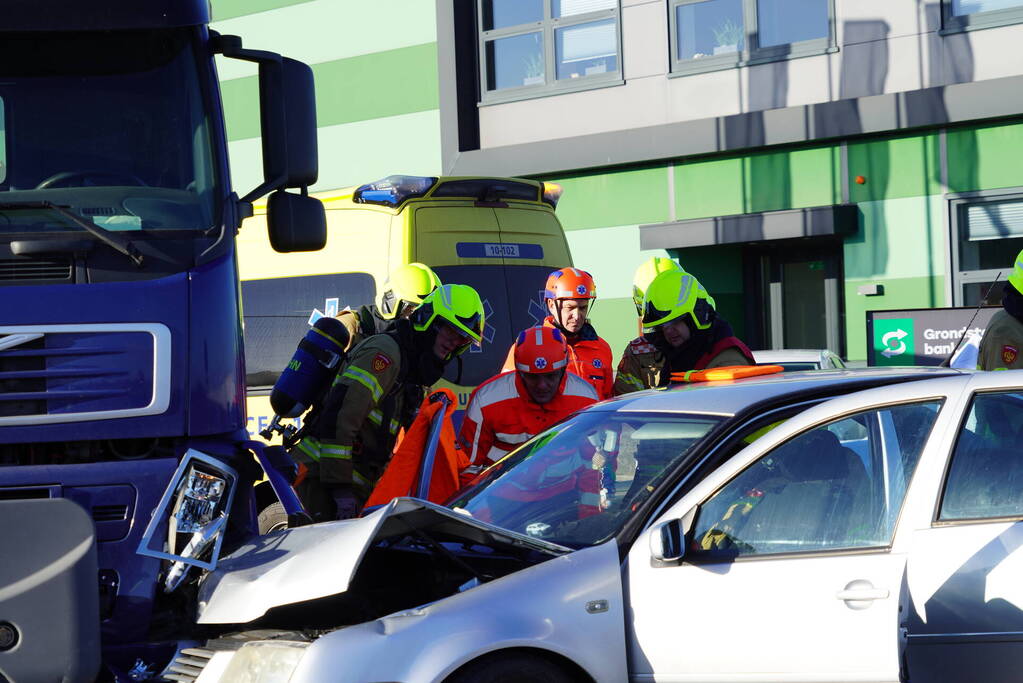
x=641 y=361
x=405 y=289
x=346 y=447
x=1001 y=348
x=682 y=331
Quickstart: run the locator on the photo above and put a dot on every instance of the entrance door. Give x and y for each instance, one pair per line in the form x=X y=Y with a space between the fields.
x=800 y=288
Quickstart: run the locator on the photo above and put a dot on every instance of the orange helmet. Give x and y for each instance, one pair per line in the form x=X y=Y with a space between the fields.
x=570 y=283
x=540 y=349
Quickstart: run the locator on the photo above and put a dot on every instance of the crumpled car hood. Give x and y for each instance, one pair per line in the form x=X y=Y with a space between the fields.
x=319 y=560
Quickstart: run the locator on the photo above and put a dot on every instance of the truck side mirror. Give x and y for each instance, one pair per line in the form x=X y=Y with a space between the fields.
x=295 y=222
x=287 y=104
x=287 y=123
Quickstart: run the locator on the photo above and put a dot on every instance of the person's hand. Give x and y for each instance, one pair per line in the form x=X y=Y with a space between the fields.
x=346 y=503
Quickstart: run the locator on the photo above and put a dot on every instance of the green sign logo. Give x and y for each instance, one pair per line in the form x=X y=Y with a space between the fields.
x=893 y=341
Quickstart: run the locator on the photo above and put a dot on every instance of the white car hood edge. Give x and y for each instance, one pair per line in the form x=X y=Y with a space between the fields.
x=314 y=561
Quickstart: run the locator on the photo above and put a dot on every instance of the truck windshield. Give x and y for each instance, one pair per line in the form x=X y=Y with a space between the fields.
x=579 y=482
x=111 y=127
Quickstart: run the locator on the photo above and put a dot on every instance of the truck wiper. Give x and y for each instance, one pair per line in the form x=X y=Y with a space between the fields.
x=111 y=239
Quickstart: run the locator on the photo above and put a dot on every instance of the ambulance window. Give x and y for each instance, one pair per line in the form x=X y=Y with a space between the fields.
x=278 y=311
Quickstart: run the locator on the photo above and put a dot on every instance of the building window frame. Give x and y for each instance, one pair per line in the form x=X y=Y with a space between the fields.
x=751 y=53
x=958 y=204
x=952 y=23
x=548 y=27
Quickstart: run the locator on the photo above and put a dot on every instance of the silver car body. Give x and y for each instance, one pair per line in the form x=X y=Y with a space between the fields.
x=800 y=359
x=818 y=617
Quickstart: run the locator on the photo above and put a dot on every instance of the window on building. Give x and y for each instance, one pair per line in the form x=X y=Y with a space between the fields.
x=537 y=47
x=962 y=15
x=718 y=34
x=989 y=235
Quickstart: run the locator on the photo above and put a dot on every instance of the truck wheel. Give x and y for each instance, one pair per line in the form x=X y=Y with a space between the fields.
x=272 y=518
x=514 y=667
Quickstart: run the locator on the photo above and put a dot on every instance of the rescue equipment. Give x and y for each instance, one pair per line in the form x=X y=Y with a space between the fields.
x=308 y=375
x=725 y=373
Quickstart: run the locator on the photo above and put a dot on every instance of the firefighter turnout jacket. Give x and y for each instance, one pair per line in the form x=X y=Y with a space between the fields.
x=500 y=416
x=1001 y=348
x=644 y=366
x=589 y=357
x=370 y=401
x=361 y=323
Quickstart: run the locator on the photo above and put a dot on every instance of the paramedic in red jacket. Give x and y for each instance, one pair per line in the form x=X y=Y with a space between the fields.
x=510 y=408
x=569 y=294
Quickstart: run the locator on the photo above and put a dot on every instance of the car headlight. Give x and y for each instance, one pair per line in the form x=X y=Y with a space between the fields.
x=264 y=661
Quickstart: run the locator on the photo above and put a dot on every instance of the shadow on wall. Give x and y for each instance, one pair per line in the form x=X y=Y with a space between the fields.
x=864 y=72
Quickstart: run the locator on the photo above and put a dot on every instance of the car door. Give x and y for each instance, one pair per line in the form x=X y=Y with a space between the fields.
x=791 y=570
x=964 y=604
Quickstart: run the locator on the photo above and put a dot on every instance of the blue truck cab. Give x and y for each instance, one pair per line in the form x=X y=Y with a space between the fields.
x=121 y=368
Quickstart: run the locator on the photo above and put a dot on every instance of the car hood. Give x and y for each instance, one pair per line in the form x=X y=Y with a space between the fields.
x=319 y=560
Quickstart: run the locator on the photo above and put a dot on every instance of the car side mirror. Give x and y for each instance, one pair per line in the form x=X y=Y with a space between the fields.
x=668 y=540
x=295 y=222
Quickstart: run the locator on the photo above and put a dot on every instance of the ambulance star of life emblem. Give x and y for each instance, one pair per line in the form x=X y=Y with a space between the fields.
x=581 y=290
x=1009 y=354
x=540 y=363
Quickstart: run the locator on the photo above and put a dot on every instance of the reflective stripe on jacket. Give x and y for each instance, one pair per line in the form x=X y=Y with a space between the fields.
x=500 y=416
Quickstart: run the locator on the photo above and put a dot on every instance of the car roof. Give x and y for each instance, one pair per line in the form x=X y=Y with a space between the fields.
x=727 y=398
x=790 y=355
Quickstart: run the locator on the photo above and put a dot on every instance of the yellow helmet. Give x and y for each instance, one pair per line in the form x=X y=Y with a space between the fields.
x=1016 y=277
x=645 y=274
x=407 y=286
x=459 y=306
x=675 y=294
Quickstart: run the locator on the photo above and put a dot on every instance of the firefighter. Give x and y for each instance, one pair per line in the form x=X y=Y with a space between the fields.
x=569 y=295
x=510 y=408
x=404 y=290
x=682 y=331
x=349 y=443
x=1002 y=343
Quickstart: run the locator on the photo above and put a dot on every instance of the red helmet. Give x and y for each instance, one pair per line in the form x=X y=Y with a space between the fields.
x=570 y=283
x=540 y=349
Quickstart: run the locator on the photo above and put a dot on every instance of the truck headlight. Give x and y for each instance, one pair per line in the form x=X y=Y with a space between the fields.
x=187 y=526
x=198 y=500
x=265 y=661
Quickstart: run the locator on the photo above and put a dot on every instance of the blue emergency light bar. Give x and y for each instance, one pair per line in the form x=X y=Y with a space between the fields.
x=394 y=190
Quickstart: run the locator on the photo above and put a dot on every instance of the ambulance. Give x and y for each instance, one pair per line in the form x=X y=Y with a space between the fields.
x=499 y=235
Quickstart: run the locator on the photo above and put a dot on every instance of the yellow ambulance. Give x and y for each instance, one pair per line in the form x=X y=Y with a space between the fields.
x=500 y=235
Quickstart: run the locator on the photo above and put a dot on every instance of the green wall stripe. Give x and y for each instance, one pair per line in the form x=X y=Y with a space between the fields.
x=899 y=293
x=372 y=86
x=768 y=181
x=366 y=151
x=227 y=9
x=898 y=238
x=895 y=167
x=624 y=197
x=985 y=157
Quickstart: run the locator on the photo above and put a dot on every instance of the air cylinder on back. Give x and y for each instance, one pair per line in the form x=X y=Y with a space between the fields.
x=310 y=371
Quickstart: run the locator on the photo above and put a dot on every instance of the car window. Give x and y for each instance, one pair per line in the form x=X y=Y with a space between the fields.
x=578 y=482
x=986 y=475
x=839 y=485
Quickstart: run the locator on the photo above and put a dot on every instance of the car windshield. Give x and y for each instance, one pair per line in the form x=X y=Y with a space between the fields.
x=577 y=483
x=113 y=129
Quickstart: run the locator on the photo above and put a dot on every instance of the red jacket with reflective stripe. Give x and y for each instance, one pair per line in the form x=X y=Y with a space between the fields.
x=589 y=356
x=500 y=416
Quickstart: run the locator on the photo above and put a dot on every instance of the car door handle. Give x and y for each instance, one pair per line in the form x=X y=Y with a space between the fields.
x=857 y=594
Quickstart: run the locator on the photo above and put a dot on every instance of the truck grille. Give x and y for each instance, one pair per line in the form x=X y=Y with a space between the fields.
x=189 y=663
x=34 y=269
x=72 y=373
